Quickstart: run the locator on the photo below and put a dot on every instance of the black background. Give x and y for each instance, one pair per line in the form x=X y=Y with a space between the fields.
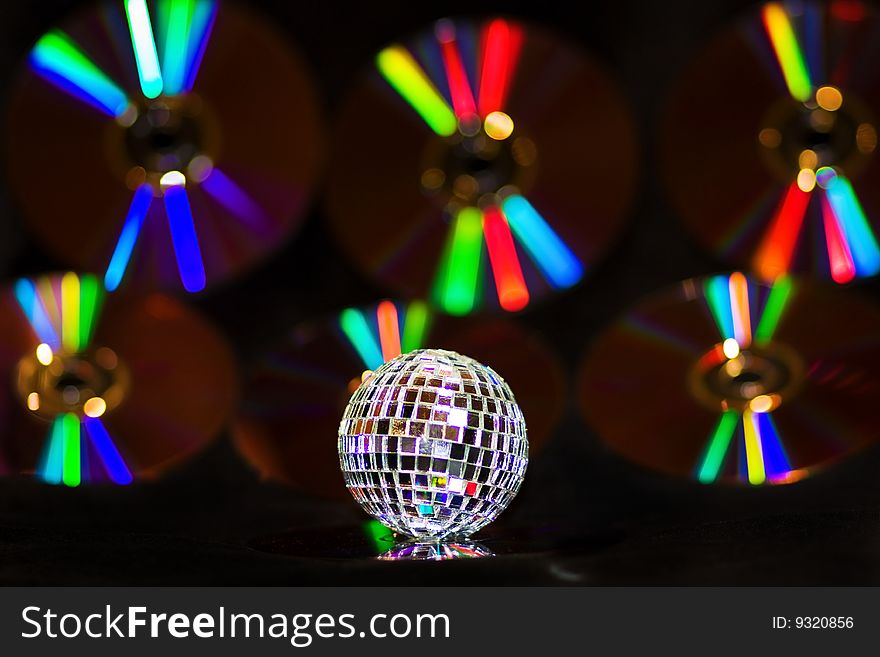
x=619 y=524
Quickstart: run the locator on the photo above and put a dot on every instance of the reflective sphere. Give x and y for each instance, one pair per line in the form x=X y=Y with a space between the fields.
x=433 y=444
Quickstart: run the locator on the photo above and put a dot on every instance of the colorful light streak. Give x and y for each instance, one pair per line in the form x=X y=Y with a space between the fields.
x=513 y=294
x=177 y=16
x=201 y=24
x=501 y=42
x=66 y=323
x=183 y=232
x=70 y=301
x=840 y=259
x=773 y=309
x=231 y=196
x=186 y=25
x=776 y=463
x=717 y=291
x=414 y=326
x=739 y=307
x=460 y=271
x=405 y=75
x=68 y=306
x=855 y=227
x=111 y=459
x=754 y=449
x=134 y=221
x=788 y=51
x=774 y=255
x=718 y=446
x=71 y=453
x=555 y=260
x=459 y=86
x=393 y=335
x=144 y=46
x=51 y=470
x=389 y=330
x=32 y=306
x=356 y=329
x=457 y=281
x=64 y=459
x=56 y=58
x=729 y=301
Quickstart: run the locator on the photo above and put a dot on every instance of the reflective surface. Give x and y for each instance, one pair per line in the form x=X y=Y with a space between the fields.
x=433 y=444
x=296 y=393
x=373 y=541
x=137 y=156
x=466 y=174
x=727 y=379
x=106 y=391
x=769 y=142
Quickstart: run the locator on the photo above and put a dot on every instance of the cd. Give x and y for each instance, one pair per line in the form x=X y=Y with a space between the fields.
x=163 y=145
x=768 y=146
x=106 y=391
x=730 y=379
x=296 y=395
x=481 y=165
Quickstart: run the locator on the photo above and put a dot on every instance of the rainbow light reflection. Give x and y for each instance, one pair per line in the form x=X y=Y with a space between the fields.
x=63 y=311
x=788 y=51
x=184 y=31
x=730 y=300
x=392 y=330
x=57 y=59
x=514 y=221
x=185 y=28
x=850 y=243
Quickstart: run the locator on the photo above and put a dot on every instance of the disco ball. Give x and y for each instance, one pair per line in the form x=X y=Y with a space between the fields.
x=433 y=444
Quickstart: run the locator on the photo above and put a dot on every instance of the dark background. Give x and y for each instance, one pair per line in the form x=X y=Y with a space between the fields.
x=583 y=516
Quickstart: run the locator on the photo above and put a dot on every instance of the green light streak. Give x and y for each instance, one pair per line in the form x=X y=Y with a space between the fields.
x=90 y=302
x=788 y=51
x=175 y=23
x=381 y=537
x=414 y=326
x=57 y=53
x=72 y=464
x=718 y=446
x=773 y=309
x=405 y=75
x=460 y=270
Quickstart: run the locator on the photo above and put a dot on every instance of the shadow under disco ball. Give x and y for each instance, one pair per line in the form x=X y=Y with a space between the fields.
x=295 y=397
x=769 y=142
x=105 y=392
x=163 y=144
x=482 y=165
x=727 y=379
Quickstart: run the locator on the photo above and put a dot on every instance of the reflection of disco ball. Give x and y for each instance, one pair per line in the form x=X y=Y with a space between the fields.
x=435 y=552
x=433 y=444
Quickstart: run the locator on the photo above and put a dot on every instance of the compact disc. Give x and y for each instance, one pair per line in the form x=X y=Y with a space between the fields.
x=768 y=146
x=106 y=391
x=296 y=395
x=730 y=379
x=163 y=145
x=482 y=165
